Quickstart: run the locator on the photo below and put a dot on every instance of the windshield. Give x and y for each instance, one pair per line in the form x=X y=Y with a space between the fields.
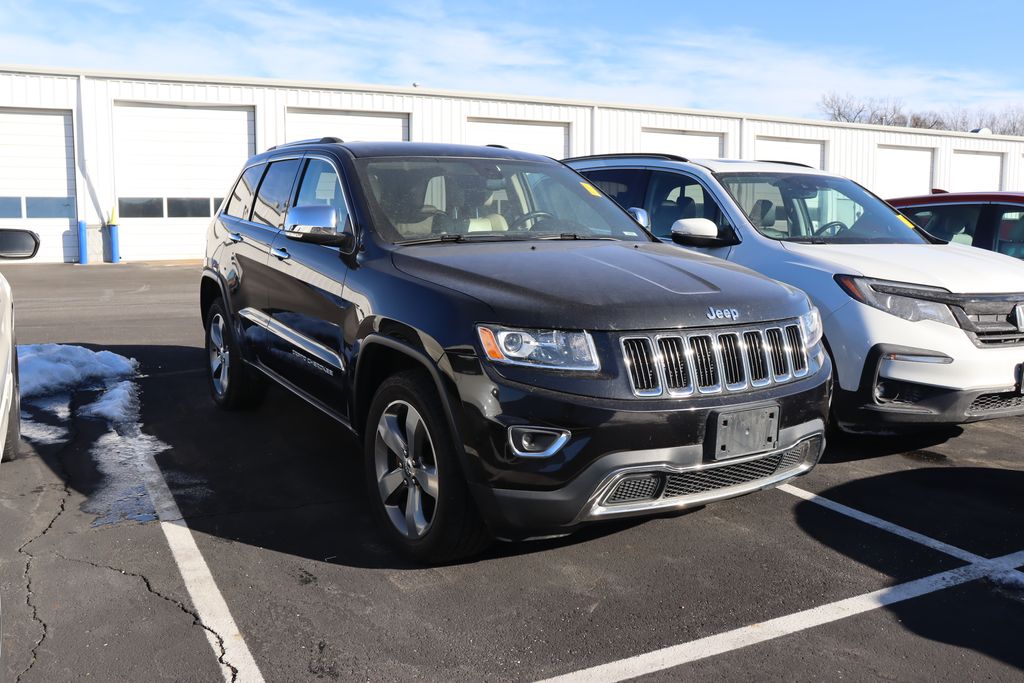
x=817 y=209
x=417 y=199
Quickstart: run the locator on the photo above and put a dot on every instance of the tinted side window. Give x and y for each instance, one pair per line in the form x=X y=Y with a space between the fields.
x=274 y=193
x=1010 y=230
x=954 y=223
x=626 y=186
x=240 y=201
x=321 y=186
x=673 y=196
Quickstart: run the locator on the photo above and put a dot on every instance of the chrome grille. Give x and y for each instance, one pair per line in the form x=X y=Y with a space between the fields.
x=732 y=360
x=677 y=370
x=704 y=363
x=713 y=361
x=796 y=350
x=755 y=355
x=640 y=361
x=777 y=351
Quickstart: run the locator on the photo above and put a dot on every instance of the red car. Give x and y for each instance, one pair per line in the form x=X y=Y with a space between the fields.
x=989 y=220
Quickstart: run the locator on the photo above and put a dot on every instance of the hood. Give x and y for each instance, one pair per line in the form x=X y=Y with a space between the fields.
x=599 y=285
x=956 y=267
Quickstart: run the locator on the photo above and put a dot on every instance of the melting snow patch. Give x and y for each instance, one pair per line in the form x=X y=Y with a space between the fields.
x=57 y=404
x=119 y=456
x=40 y=433
x=118 y=404
x=49 y=368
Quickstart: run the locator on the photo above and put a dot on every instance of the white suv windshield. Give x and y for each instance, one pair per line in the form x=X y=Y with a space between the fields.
x=800 y=207
x=423 y=198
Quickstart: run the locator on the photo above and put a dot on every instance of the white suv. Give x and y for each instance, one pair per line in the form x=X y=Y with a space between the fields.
x=920 y=330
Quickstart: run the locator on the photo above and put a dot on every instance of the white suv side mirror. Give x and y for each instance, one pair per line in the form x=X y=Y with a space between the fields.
x=698 y=232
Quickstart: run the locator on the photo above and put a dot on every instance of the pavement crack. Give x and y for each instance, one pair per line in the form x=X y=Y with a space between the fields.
x=62 y=472
x=196 y=619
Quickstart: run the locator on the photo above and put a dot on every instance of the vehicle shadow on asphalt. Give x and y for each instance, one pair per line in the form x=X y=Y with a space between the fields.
x=283 y=477
x=846 y=447
x=977 y=509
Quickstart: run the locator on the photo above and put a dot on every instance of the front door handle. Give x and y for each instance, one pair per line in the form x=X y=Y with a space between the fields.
x=235 y=237
x=280 y=254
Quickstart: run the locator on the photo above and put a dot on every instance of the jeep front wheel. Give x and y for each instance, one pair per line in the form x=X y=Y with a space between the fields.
x=413 y=477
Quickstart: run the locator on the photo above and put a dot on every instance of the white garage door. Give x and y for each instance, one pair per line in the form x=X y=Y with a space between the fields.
x=691 y=145
x=349 y=126
x=902 y=172
x=172 y=165
x=549 y=139
x=808 y=152
x=976 y=172
x=37 y=179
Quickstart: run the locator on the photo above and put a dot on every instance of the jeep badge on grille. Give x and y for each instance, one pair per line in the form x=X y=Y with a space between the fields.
x=728 y=313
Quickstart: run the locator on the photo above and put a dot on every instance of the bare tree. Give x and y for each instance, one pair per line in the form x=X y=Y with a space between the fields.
x=891 y=112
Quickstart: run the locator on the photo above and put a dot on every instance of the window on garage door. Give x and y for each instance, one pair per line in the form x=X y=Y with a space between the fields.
x=240 y=201
x=320 y=186
x=954 y=223
x=274 y=193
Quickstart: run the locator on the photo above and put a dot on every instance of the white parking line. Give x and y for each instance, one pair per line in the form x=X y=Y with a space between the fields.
x=675 y=655
x=881 y=524
x=694 y=650
x=206 y=597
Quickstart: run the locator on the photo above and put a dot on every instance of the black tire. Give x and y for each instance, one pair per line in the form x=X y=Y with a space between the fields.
x=455 y=529
x=233 y=384
x=12 y=442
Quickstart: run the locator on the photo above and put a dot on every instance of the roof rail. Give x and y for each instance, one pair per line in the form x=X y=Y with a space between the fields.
x=493 y=144
x=311 y=141
x=787 y=163
x=631 y=155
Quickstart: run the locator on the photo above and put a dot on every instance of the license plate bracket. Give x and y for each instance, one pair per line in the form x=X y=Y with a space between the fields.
x=745 y=432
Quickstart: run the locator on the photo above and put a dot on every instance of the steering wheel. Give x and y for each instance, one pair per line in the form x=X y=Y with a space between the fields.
x=518 y=222
x=838 y=226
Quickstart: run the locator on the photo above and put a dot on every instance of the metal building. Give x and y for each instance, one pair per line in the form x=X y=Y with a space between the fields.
x=164 y=149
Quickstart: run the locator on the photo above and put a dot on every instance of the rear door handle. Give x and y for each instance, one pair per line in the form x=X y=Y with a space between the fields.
x=235 y=237
x=280 y=253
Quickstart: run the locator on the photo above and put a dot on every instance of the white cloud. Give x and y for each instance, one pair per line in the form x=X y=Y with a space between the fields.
x=734 y=69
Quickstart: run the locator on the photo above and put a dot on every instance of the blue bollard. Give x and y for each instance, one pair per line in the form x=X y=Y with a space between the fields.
x=115 y=244
x=83 y=246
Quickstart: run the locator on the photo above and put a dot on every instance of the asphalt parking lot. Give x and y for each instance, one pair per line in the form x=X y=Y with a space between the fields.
x=893 y=559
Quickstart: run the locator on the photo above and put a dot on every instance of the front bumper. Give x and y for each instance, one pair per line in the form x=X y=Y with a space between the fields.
x=894 y=393
x=668 y=441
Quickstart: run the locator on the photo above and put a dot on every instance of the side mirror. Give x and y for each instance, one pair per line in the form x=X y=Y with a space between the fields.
x=17 y=244
x=698 y=232
x=317 y=224
x=640 y=216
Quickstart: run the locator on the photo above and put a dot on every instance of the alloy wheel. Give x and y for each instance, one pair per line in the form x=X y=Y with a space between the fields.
x=220 y=355
x=406 y=469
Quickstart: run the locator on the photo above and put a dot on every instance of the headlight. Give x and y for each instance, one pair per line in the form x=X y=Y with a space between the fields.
x=554 y=349
x=810 y=327
x=883 y=295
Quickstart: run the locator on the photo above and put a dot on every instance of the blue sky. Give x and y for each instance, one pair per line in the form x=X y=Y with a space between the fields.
x=758 y=57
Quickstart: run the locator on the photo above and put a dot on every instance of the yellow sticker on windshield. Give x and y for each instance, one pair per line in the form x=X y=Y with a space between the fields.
x=590 y=188
x=906 y=220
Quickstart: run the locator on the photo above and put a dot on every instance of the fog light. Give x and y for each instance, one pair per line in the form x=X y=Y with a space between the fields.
x=537 y=442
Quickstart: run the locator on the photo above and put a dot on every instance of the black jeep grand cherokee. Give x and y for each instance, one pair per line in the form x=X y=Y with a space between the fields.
x=518 y=355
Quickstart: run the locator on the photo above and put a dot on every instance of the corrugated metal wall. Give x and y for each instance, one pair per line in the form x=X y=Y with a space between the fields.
x=886 y=160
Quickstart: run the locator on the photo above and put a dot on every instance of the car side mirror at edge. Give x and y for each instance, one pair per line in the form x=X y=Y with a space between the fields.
x=317 y=224
x=640 y=216
x=17 y=244
x=698 y=232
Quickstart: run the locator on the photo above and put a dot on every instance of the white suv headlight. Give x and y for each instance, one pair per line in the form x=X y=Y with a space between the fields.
x=881 y=294
x=552 y=349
